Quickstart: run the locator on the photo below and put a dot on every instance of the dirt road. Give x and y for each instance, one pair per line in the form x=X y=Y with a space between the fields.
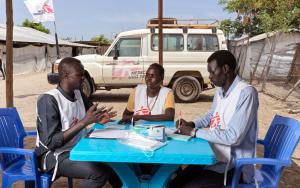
x=28 y=87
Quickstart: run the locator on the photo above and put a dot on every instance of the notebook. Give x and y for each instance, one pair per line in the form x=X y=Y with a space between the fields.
x=171 y=133
x=109 y=133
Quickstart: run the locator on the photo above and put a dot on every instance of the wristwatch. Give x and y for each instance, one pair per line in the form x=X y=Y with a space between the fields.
x=193 y=132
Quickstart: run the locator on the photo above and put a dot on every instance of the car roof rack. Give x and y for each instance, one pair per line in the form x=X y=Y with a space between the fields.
x=185 y=23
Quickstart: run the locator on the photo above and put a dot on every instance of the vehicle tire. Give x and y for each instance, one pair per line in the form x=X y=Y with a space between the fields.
x=186 y=89
x=87 y=87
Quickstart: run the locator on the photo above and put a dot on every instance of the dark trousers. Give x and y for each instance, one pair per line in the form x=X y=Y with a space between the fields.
x=198 y=177
x=95 y=175
x=1 y=69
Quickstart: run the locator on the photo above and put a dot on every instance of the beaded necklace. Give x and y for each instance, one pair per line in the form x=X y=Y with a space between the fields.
x=151 y=106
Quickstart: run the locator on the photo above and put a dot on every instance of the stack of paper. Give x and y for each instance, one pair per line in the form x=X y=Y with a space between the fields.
x=109 y=133
x=141 y=142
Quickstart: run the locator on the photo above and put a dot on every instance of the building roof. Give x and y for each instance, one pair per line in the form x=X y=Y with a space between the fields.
x=29 y=35
x=243 y=40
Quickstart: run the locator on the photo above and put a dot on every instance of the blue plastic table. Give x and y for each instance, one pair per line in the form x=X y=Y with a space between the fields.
x=120 y=157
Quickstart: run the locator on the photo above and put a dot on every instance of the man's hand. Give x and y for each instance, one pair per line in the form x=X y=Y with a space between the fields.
x=106 y=117
x=93 y=115
x=185 y=130
x=184 y=123
x=137 y=117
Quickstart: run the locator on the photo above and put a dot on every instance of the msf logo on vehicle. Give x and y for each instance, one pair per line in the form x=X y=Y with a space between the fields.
x=127 y=69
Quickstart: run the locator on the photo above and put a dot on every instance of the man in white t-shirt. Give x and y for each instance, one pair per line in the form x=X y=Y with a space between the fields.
x=232 y=127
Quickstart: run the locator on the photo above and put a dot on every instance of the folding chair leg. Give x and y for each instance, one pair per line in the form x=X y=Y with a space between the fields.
x=6 y=181
x=6 y=184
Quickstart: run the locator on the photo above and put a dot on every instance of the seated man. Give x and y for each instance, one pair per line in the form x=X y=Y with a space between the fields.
x=232 y=123
x=63 y=113
x=150 y=101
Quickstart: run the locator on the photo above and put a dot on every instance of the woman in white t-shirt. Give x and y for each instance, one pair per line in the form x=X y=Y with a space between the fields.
x=150 y=101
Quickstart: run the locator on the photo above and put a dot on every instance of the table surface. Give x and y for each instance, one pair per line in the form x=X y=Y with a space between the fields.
x=195 y=151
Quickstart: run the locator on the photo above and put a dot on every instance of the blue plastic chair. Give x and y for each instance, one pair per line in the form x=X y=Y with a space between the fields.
x=279 y=145
x=18 y=164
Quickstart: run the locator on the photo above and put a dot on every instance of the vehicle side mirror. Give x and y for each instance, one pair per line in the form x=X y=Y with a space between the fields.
x=116 y=54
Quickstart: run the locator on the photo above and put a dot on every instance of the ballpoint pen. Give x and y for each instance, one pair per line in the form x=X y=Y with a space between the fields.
x=179 y=121
x=132 y=122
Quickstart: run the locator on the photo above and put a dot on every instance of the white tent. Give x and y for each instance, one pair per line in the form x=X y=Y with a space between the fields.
x=35 y=51
x=254 y=56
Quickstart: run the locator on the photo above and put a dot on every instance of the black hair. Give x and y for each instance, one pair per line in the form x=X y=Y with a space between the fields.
x=67 y=63
x=160 y=69
x=223 y=57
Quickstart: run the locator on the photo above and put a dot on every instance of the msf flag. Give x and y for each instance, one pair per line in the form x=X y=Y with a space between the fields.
x=41 y=10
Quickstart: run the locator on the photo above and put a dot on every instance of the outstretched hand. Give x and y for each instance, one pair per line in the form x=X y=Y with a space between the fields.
x=106 y=117
x=93 y=115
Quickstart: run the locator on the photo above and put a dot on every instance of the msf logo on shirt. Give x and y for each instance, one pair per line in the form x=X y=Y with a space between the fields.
x=143 y=111
x=215 y=121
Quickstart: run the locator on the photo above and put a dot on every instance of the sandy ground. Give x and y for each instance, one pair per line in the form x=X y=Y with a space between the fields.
x=28 y=87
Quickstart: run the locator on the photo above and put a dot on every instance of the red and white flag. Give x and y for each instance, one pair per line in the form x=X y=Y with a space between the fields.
x=41 y=10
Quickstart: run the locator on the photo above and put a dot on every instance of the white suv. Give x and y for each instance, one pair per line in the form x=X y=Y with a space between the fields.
x=185 y=52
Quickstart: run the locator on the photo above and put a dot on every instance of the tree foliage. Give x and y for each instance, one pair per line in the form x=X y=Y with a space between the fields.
x=102 y=39
x=36 y=26
x=67 y=38
x=258 y=16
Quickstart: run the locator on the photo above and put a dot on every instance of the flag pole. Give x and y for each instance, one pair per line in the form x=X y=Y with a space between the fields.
x=57 y=47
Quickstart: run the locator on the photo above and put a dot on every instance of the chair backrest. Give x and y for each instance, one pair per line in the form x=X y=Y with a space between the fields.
x=280 y=142
x=12 y=134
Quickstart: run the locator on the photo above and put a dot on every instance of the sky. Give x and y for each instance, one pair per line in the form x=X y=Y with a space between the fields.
x=84 y=19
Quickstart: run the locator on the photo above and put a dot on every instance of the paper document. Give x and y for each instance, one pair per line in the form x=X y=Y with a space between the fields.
x=141 y=142
x=109 y=133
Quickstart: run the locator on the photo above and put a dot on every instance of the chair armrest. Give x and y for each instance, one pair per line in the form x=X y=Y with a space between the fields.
x=266 y=161
x=19 y=151
x=31 y=133
x=24 y=152
x=239 y=163
x=260 y=141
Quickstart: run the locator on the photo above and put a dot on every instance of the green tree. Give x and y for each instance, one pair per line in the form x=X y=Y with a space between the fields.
x=232 y=28
x=102 y=39
x=67 y=38
x=36 y=26
x=258 y=16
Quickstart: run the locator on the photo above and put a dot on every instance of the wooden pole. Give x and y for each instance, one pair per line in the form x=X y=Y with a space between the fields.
x=9 y=54
x=57 y=48
x=291 y=90
x=160 y=32
x=252 y=75
x=243 y=60
x=273 y=47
